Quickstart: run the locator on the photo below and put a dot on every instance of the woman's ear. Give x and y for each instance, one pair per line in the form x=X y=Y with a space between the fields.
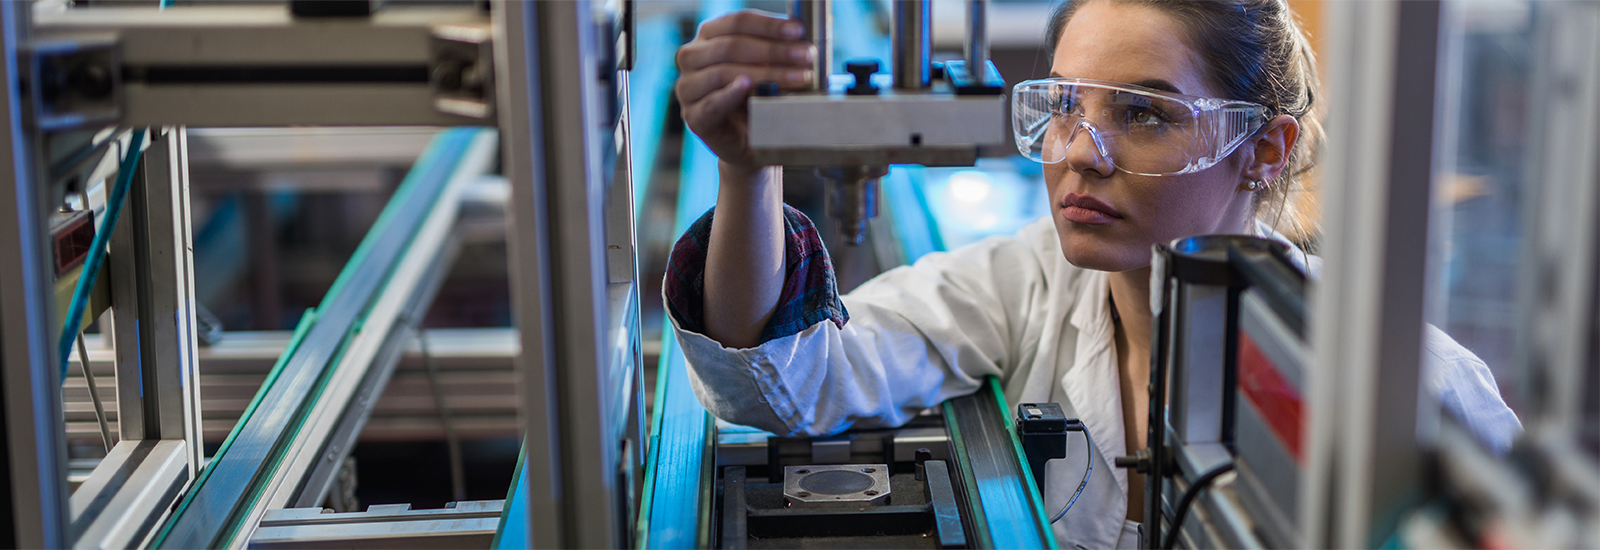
x=1271 y=148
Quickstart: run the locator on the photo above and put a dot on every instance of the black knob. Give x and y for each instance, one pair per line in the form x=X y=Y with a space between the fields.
x=767 y=88
x=863 y=70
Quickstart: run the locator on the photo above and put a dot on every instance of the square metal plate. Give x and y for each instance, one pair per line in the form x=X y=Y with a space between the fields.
x=845 y=484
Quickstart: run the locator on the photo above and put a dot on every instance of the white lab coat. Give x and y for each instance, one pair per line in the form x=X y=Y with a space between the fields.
x=1006 y=306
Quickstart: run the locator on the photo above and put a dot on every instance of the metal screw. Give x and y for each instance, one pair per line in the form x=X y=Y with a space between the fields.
x=868 y=470
x=802 y=471
x=803 y=494
x=871 y=493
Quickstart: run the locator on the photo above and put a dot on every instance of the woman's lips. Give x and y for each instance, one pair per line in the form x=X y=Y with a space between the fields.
x=1086 y=209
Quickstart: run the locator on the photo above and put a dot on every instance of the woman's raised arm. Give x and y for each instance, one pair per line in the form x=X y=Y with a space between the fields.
x=744 y=270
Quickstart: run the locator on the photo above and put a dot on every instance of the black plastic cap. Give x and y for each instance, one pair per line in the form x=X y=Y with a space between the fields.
x=862 y=69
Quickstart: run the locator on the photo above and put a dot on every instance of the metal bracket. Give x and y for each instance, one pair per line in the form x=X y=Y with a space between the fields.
x=74 y=82
x=461 y=71
x=967 y=82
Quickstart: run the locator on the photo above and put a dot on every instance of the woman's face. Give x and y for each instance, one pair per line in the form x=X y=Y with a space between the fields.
x=1108 y=219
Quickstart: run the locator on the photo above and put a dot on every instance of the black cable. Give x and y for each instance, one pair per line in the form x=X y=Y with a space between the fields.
x=1088 y=469
x=1188 y=500
x=452 y=440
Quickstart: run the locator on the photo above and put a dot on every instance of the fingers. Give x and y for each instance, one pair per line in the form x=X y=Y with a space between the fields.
x=744 y=49
x=693 y=87
x=720 y=104
x=751 y=22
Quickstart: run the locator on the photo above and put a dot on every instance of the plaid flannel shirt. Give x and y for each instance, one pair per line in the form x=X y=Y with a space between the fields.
x=810 y=292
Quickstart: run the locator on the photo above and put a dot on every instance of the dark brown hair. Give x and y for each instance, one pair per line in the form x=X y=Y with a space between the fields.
x=1255 y=51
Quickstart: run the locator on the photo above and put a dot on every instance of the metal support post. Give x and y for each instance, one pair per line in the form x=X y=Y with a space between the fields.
x=574 y=179
x=817 y=18
x=33 y=503
x=1364 y=461
x=517 y=68
x=977 y=47
x=152 y=272
x=913 y=43
x=558 y=242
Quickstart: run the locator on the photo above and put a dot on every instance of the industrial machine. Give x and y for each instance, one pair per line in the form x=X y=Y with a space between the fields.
x=850 y=128
x=1273 y=423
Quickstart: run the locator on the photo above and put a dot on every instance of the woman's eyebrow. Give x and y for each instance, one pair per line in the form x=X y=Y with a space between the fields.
x=1159 y=84
x=1153 y=83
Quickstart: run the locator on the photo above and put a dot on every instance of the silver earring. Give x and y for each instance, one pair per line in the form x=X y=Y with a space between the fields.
x=1255 y=185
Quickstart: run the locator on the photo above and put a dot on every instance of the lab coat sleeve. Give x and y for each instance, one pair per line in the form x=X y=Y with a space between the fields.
x=915 y=336
x=1467 y=391
x=1464 y=385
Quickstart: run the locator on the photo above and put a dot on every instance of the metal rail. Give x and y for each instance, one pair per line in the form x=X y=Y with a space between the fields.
x=1007 y=510
x=236 y=481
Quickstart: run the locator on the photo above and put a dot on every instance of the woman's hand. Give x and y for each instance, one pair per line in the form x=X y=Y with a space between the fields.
x=722 y=65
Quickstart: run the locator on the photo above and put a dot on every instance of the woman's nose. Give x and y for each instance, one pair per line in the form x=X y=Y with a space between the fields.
x=1086 y=151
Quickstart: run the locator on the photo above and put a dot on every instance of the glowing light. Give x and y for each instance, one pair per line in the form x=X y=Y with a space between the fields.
x=970 y=186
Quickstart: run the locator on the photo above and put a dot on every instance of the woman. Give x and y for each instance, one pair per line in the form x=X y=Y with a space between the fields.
x=1058 y=312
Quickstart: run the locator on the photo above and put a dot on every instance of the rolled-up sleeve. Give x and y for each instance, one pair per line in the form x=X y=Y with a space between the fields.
x=810 y=293
x=913 y=337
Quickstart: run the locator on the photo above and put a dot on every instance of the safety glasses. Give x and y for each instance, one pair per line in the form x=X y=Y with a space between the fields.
x=1138 y=130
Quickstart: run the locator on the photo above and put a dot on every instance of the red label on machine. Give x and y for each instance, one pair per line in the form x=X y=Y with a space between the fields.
x=1277 y=400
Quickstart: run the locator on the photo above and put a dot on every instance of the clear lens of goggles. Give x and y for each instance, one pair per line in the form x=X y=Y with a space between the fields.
x=1139 y=130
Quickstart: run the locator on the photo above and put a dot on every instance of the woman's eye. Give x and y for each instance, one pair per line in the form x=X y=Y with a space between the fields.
x=1061 y=105
x=1146 y=117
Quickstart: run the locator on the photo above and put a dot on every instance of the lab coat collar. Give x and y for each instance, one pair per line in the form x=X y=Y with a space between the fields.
x=1091 y=382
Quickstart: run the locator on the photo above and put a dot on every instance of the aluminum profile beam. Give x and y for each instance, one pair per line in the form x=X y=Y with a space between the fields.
x=34 y=495
x=475 y=374
x=152 y=274
x=1364 y=462
x=129 y=493
x=550 y=84
x=465 y=525
x=178 y=62
x=517 y=68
